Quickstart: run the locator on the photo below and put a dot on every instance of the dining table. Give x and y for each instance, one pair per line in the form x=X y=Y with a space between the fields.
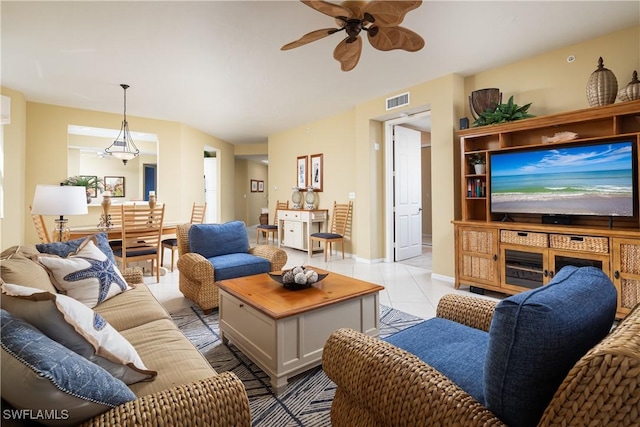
x=115 y=232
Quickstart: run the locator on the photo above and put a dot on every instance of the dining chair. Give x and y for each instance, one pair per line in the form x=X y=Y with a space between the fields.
x=340 y=227
x=141 y=236
x=41 y=227
x=115 y=218
x=267 y=230
x=197 y=217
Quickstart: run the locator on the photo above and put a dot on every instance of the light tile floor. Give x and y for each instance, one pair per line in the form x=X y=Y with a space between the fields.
x=409 y=286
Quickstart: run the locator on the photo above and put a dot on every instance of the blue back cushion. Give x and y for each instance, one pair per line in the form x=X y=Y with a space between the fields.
x=455 y=350
x=537 y=336
x=63 y=249
x=211 y=240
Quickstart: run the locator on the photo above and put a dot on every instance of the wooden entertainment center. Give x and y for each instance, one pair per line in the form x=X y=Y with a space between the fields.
x=526 y=251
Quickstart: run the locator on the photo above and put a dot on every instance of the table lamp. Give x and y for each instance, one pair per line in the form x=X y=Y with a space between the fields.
x=60 y=200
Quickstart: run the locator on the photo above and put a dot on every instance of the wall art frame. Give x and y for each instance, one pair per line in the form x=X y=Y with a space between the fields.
x=260 y=186
x=317 y=172
x=302 y=164
x=115 y=184
x=254 y=185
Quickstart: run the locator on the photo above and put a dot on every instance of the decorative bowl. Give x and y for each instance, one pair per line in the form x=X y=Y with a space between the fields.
x=293 y=286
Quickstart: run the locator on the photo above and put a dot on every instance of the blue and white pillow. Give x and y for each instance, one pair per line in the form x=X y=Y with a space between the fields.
x=78 y=328
x=46 y=377
x=86 y=275
x=64 y=249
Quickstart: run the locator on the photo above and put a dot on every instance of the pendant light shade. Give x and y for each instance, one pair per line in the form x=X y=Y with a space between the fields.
x=123 y=147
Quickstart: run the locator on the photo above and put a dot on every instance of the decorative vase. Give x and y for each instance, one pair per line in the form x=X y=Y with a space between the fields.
x=602 y=86
x=310 y=198
x=480 y=168
x=152 y=199
x=105 y=218
x=631 y=91
x=484 y=99
x=296 y=198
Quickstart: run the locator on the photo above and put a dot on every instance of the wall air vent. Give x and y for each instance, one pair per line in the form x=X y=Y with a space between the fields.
x=398 y=101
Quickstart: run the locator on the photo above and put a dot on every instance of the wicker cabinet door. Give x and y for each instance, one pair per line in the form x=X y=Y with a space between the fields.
x=626 y=273
x=477 y=255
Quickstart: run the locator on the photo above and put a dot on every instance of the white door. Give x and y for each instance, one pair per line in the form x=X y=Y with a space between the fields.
x=211 y=189
x=407 y=193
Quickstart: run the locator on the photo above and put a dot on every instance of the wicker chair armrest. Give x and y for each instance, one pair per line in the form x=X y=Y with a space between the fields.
x=380 y=384
x=471 y=311
x=195 y=267
x=220 y=400
x=277 y=257
x=133 y=275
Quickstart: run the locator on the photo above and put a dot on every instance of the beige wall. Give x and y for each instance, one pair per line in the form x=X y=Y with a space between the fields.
x=427 y=217
x=13 y=171
x=180 y=165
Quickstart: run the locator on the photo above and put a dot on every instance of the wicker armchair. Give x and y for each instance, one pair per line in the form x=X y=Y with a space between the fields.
x=379 y=384
x=197 y=275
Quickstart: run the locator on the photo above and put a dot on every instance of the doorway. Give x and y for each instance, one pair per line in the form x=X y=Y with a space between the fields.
x=150 y=177
x=421 y=122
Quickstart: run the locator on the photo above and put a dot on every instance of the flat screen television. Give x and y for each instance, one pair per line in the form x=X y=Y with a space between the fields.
x=586 y=179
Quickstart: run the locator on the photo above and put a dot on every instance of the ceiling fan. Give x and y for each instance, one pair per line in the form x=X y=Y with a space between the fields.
x=380 y=19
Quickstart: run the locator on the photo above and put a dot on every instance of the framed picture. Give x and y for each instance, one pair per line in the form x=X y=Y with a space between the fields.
x=316 y=172
x=91 y=190
x=115 y=184
x=260 y=186
x=254 y=186
x=301 y=172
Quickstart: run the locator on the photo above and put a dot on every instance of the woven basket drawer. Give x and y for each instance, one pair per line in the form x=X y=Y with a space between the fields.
x=525 y=238
x=598 y=245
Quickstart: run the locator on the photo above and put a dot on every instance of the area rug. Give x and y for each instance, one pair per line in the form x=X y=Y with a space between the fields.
x=307 y=399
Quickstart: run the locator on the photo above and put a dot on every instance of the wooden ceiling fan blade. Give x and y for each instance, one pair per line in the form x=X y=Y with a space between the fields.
x=390 y=13
x=310 y=37
x=330 y=9
x=348 y=54
x=390 y=38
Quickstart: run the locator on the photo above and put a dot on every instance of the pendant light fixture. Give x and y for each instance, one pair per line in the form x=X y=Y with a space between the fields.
x=123 y=147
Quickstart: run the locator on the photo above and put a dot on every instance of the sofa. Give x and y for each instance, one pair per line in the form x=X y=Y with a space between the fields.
x=545 y=357
x=208 y=253
x=168 y=381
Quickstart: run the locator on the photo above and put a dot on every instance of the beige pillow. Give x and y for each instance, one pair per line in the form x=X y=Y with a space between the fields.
x=77 y=327
x=87 y=275
x=16 y=266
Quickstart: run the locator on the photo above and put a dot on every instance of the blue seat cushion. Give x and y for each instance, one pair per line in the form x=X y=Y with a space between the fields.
x=537 y=336
x=455 y=350
x=238 y=265
x=268 y=227
x=170 y=242
x=136 y=252
x=327 y=235
x=212 y=240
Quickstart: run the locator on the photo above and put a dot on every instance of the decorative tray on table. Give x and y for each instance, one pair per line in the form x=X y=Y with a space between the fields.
x=297 y=278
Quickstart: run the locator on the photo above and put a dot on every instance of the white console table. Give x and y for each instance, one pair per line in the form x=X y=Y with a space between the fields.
x=295 y=226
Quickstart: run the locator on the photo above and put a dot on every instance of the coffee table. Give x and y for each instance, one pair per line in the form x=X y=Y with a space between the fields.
x=283 y=331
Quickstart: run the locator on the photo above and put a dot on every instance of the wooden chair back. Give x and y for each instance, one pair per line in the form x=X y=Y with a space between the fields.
x=141 y=235
x=341 y=219
x=41 y=227
x=197 y=213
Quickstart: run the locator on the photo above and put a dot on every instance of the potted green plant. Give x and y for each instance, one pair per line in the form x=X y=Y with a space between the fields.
x=91 y=183
x=508 y=112
x=478 y=161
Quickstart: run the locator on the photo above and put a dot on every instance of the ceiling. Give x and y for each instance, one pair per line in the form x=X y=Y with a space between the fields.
x=217 y=65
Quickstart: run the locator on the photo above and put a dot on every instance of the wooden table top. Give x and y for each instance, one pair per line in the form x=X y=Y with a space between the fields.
x=271 y=298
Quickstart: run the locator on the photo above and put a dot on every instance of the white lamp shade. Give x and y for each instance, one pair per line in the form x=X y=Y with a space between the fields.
x=59 y=200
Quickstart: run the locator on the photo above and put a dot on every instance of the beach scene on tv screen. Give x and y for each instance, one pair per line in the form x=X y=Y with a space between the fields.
x=582 y=180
